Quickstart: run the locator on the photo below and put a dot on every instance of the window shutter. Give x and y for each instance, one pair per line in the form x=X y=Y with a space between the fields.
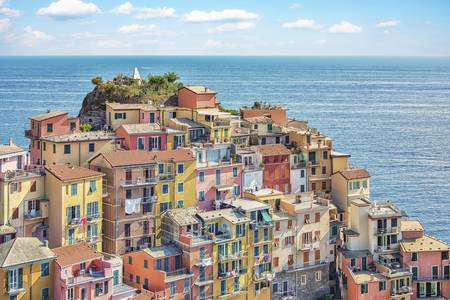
x=19 y=281
x=78 y=211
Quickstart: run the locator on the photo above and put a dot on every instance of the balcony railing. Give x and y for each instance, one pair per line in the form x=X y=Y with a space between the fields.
x=230 y=274
x=29 y=134
x=231 y=256
x=401 y=291
x=93 y=217
x=386 y=230
x=166 y=177
x=149 y=199
x=33 y=214
x=139 y=181
x=177 y=272
x=221 y=122
x=203 y=262
x=207 y=279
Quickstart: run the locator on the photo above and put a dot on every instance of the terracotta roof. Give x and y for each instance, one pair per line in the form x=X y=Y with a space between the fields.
x=175 y=155
x=411 y=225
x=75 y=254
x=7 y=229
x=9 y=148
x=183 y=216
x=118 y=158
x=259 y=119
x=69 y=172
x=350 y=174
x=131 y=106
x=23 y=250
x=273 y=149
x=99 y=135
x=425 y=243
x=48 y=115
x=141 y=297
x=198 y=89
x=186 y=122
x=147 y=128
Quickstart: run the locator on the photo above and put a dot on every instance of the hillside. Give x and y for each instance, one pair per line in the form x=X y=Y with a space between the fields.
x=157 y=89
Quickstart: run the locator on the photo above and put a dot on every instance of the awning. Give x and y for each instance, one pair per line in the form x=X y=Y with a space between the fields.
x=266 y=216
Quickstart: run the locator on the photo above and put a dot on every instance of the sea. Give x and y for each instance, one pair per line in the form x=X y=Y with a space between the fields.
x=392 y=114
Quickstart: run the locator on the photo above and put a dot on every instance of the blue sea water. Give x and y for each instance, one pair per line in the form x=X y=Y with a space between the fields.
x=391 y=114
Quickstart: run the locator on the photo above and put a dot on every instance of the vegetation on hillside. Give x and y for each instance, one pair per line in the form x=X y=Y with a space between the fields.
x=229 y=110
x=154 y=88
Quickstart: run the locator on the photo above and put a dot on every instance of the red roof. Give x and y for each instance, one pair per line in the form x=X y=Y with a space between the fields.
x=273 y=149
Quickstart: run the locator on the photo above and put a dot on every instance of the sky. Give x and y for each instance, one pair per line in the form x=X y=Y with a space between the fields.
x=231 y=27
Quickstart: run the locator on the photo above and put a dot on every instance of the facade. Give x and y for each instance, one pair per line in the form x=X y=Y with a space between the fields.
x=298 y=173
x=252 y=169
x=150 y=137
x=197 y=97
x=277 y=113
x=219 y=177
x=75 y=197
x=12 y=157
x=350 y=184
x=428 y=259
x=118 y=114
x=276 y=161
x=76 y=148
x=48 y=124
x=263 y=130
x=26 y=269
x=302 y=251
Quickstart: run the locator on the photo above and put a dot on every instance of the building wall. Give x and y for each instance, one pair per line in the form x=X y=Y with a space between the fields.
x=187 y=98
x=145 y=116
x=79 y=152
x=132 y=117
x=250 y=177
x=297 y=181
x=277 y=175
x=279 y=115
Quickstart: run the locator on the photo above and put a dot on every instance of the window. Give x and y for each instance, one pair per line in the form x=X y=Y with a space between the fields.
x=172 y=289
x=73 y=189
x=302 y=173
x=318 y=275
x=240 y=229
x=444 y=255
x=353 y=262
x=54 y=148
x=159 y=264
x=324 y=185
x=152 y=117
x=161 y=168
x=33 y=187
x=364 y=288
x=324 y=170
x=414 y=256
x=180 y=168
x=394 y=222
x=130 y=260
x=217 y=177
x=325 y=154
x=70 y=294
x=274 y=288
x=446 y=272
x=201 y=196
x=92 y=209
x=303 y=279
x=116 y=280
x=45 y=269
x=66 y=149
x=73 y=125
x=289 y=224
x=180 y=203
x=317 y=217
x=180 y=187
x=223 y=287
x=382 y=285
x=92 y=186
x=49 y=127
x=414 y=273
x=120 y=116
x=364 y=183
x=15 y=279
x=44 y=146
x=145 y=284
x=138 y=279
x=435 y=272
x=235 y=172
x=165 y=189
x=91 y=147
x=163 y=207
x=356 y=185
x=101 y=288
x=172 y=114
x=237 y=190
x=201 y=176
x=45 y=294
x=313 y=171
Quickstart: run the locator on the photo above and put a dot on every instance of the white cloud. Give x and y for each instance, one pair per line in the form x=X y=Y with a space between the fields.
x=84 y=35
x=152 y=13
x=320 y=42
x=138 y=29
x=123 y=9
x=295 y=5
x=5 y=24
x=302 y=23
x=224 y=15
x=345 y=27
x=9 y=12
x=388 y=23
x=218 y=44
x=38 y=35
x=232 y=27
x=66 y=9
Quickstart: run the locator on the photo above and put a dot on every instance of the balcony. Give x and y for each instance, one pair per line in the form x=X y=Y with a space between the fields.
x=14 y=288
x=177 y=274
x=231 y=256
x=309 y=246
x=208 y=279
x=386 y=248
x=401 y=291
x=87 y=276
x=225 y=275
x=390 y=230
x=33 y=214
x=221 y=123
x=29 y=134
x=204 y=262
x=298 y=165
x=266 y=275
x=21 y=174
x=92 y=218
x=166 y=177
x=149 y=199
x=73 y=222
x=138 y=182
x=253 y=167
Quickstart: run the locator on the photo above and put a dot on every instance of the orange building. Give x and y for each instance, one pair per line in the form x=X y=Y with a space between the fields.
x=196 y=97
x=277 y=113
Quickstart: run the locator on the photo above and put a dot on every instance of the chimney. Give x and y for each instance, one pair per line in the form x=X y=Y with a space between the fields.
x=10 y=141
x=206 y=89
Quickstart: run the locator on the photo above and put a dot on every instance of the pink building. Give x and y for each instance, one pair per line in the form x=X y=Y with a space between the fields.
x=151 y=137
x=276 y=160
x=82 y=273
x=196 y=97
x=185 y=229
x=219 y=177
x=49 y=124
x=428 y=259
x=12 y=157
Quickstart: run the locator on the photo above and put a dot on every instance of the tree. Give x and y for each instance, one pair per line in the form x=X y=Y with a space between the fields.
x=97 y=80
x=85 y=127
x=171 y=77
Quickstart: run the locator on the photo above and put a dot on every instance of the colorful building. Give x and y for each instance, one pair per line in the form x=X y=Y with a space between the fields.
x=428 y=259
x=151 y=137
x=75 y=199
x=83 y=273
x=275 y=112
x=76 y=148
x=26 y=269
x=263 y=130
x=118 y=114
x=219 y=177
x=12 y=157
x=252 y=169
x=197 y=97
x=276 y=160
x=48 y=124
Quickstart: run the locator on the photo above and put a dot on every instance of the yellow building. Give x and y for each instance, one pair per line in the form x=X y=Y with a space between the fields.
x=177 y=179
x=23 y=204
x=228 y=228
x=77 y=148
x=219 y=123
x=26 y=270
x=268 y=196
x=118 y=114
x=75 y=197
